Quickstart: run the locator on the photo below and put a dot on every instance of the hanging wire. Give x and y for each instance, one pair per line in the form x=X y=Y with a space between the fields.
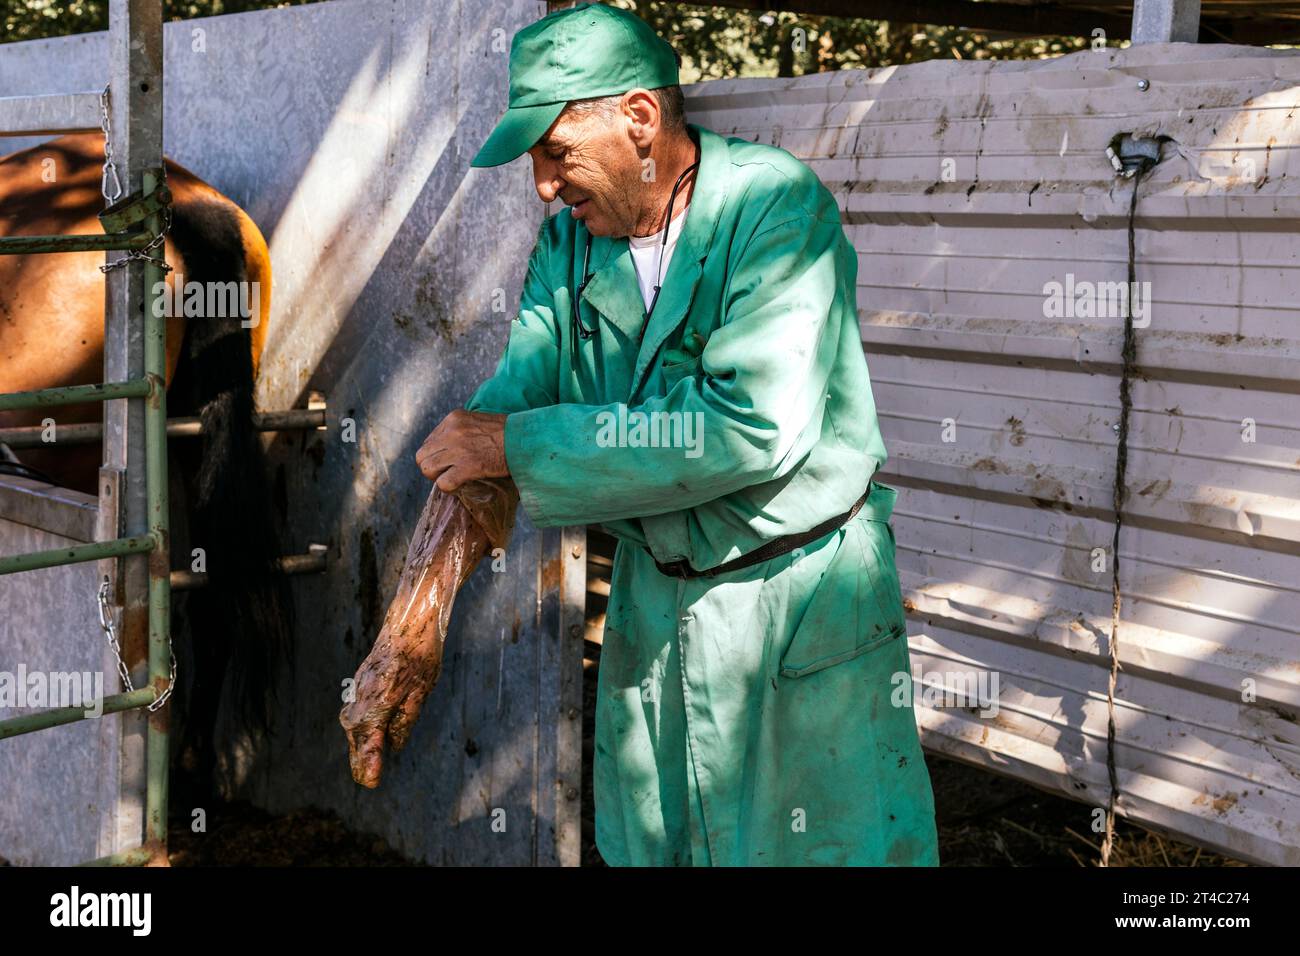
x=1129 y=360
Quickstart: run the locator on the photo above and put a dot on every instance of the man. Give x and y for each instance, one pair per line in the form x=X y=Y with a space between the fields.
x=707 y=402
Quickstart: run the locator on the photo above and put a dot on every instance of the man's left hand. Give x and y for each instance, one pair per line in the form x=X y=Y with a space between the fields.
x=464 y=447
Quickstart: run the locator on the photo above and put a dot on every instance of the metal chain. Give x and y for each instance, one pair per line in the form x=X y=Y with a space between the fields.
x=110 y=632
x=171 y=679
x=143 y=253
x=109 y=166
x=110 y=169
x=106 y=622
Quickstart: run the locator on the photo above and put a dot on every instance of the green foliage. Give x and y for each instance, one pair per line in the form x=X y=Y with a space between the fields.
x=718 y=42
x=36 y=19
x=714 y=42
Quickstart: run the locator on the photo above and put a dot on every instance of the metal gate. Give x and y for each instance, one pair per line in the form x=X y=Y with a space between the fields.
x=133 y=483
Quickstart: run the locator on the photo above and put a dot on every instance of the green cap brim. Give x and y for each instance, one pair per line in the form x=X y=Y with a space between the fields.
x=516 y=133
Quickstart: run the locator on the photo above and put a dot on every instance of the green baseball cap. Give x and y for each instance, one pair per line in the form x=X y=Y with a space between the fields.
x=585 y=51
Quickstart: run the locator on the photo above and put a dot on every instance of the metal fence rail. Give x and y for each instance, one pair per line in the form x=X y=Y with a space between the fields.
x=134 y=141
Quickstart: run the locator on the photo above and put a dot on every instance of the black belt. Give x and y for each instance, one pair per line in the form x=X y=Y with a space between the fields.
x=681 y=568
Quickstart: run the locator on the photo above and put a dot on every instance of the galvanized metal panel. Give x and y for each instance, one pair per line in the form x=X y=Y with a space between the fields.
x=345 y=130
x=61 y=800
x=389 y=255
x=997 y=528
x=34 y=115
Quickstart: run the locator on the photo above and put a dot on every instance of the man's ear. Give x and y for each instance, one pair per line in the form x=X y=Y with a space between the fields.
x=642 y=109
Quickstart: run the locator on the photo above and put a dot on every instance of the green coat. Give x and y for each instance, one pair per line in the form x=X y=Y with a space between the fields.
x=746 y=718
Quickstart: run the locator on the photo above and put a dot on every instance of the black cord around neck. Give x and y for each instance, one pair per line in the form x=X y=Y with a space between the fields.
x=663 y=246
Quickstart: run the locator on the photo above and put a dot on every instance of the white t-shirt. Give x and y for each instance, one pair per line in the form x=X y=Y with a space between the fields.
x=645 y=255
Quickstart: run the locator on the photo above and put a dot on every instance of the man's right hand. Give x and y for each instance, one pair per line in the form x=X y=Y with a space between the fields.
x=464 y=447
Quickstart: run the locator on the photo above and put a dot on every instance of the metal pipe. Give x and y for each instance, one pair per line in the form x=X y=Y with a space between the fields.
x=75 y=395
x=35 y=560
x=85 y=433
x=161 y=659
x=109 y=242
x=138 y=856
x=53 y=114
x=28 y=723
x=289 y=419
x=1166 y=21
x=311 y=563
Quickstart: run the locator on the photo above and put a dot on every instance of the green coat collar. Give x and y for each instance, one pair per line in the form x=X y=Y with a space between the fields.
x=613 y=291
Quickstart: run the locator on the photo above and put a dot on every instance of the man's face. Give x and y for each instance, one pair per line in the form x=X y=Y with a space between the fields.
x=589 y=162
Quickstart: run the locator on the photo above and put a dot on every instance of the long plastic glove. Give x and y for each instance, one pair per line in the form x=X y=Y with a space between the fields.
x=454 y=532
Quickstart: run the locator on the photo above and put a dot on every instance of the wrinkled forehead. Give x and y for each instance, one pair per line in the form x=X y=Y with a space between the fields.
x=571 y=129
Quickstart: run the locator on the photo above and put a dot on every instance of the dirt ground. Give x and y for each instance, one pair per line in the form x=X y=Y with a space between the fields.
x=239 y=834
x=983 y=820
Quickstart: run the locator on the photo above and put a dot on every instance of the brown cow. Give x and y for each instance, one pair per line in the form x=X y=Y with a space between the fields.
x=52 y=334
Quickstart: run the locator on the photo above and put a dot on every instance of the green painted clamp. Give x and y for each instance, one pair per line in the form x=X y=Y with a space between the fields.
x=135 y=208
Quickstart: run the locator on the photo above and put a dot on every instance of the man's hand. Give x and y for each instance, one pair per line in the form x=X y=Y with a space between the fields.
x=464 y=447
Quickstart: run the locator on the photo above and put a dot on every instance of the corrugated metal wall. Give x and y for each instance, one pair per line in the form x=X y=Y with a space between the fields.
x=967 y=188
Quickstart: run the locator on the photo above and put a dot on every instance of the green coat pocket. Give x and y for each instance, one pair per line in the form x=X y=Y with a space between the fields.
x=857 y=608
x=674 y=372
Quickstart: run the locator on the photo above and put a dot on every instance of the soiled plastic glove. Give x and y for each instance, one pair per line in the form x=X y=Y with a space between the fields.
x=454 y=532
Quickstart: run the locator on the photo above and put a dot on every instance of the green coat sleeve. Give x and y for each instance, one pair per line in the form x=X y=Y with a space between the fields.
x=759 y=398
x=527 y=375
